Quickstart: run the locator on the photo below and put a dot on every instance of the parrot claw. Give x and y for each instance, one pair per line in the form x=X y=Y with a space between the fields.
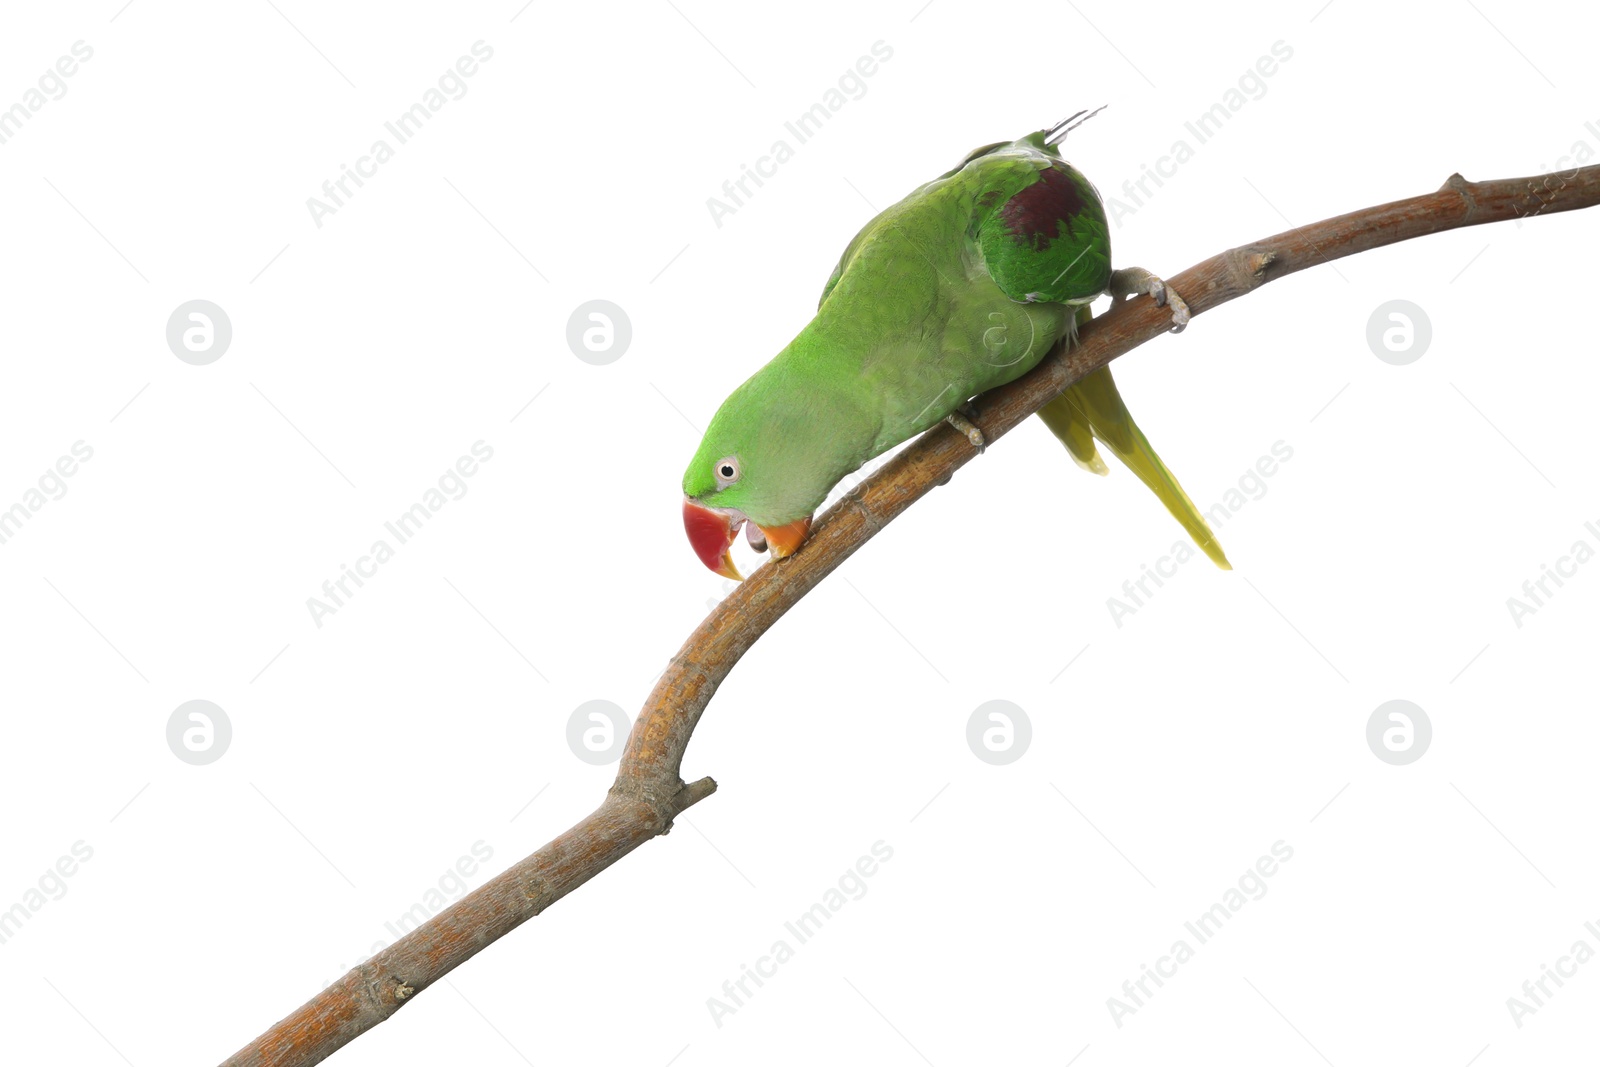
x=965 y=427
x=1180 y=307
x=1135 y=280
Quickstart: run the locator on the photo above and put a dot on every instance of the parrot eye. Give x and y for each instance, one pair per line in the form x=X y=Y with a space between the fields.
x=727 y=471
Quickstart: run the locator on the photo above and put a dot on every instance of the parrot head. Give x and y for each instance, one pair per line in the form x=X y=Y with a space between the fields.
x=767 y=461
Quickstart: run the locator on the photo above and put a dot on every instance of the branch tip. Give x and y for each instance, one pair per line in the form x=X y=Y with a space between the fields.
x=695 y=792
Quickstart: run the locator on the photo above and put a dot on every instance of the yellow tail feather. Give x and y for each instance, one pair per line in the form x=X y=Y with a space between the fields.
x=1094 y=409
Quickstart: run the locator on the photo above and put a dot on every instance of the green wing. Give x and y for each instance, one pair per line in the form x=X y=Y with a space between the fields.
x=1048 y=240
x=850 y=248
x=1038 y=224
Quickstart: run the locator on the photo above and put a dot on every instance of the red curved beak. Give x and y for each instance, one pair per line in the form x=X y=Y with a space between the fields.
x=711 y=532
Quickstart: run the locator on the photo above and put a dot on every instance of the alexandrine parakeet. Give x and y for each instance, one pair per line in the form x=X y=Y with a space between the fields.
x=962 y=286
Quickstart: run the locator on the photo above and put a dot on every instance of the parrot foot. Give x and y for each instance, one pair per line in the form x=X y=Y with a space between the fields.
x=965 y=427
x=1132 y=281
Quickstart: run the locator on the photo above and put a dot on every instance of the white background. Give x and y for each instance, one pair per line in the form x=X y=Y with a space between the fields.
x=369 y=754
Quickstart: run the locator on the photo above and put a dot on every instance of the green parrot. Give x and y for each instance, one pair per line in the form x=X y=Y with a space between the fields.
x=962 y=286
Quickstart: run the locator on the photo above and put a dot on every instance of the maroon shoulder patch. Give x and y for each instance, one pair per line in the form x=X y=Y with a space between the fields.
x=1034 y=215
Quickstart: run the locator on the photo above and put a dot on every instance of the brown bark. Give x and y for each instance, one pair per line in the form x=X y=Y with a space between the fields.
x=648 y=792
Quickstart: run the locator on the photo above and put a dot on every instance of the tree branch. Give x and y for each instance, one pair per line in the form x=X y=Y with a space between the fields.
x=648 y=793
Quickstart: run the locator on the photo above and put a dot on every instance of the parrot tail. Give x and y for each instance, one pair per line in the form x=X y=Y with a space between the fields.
x=1094 y=409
